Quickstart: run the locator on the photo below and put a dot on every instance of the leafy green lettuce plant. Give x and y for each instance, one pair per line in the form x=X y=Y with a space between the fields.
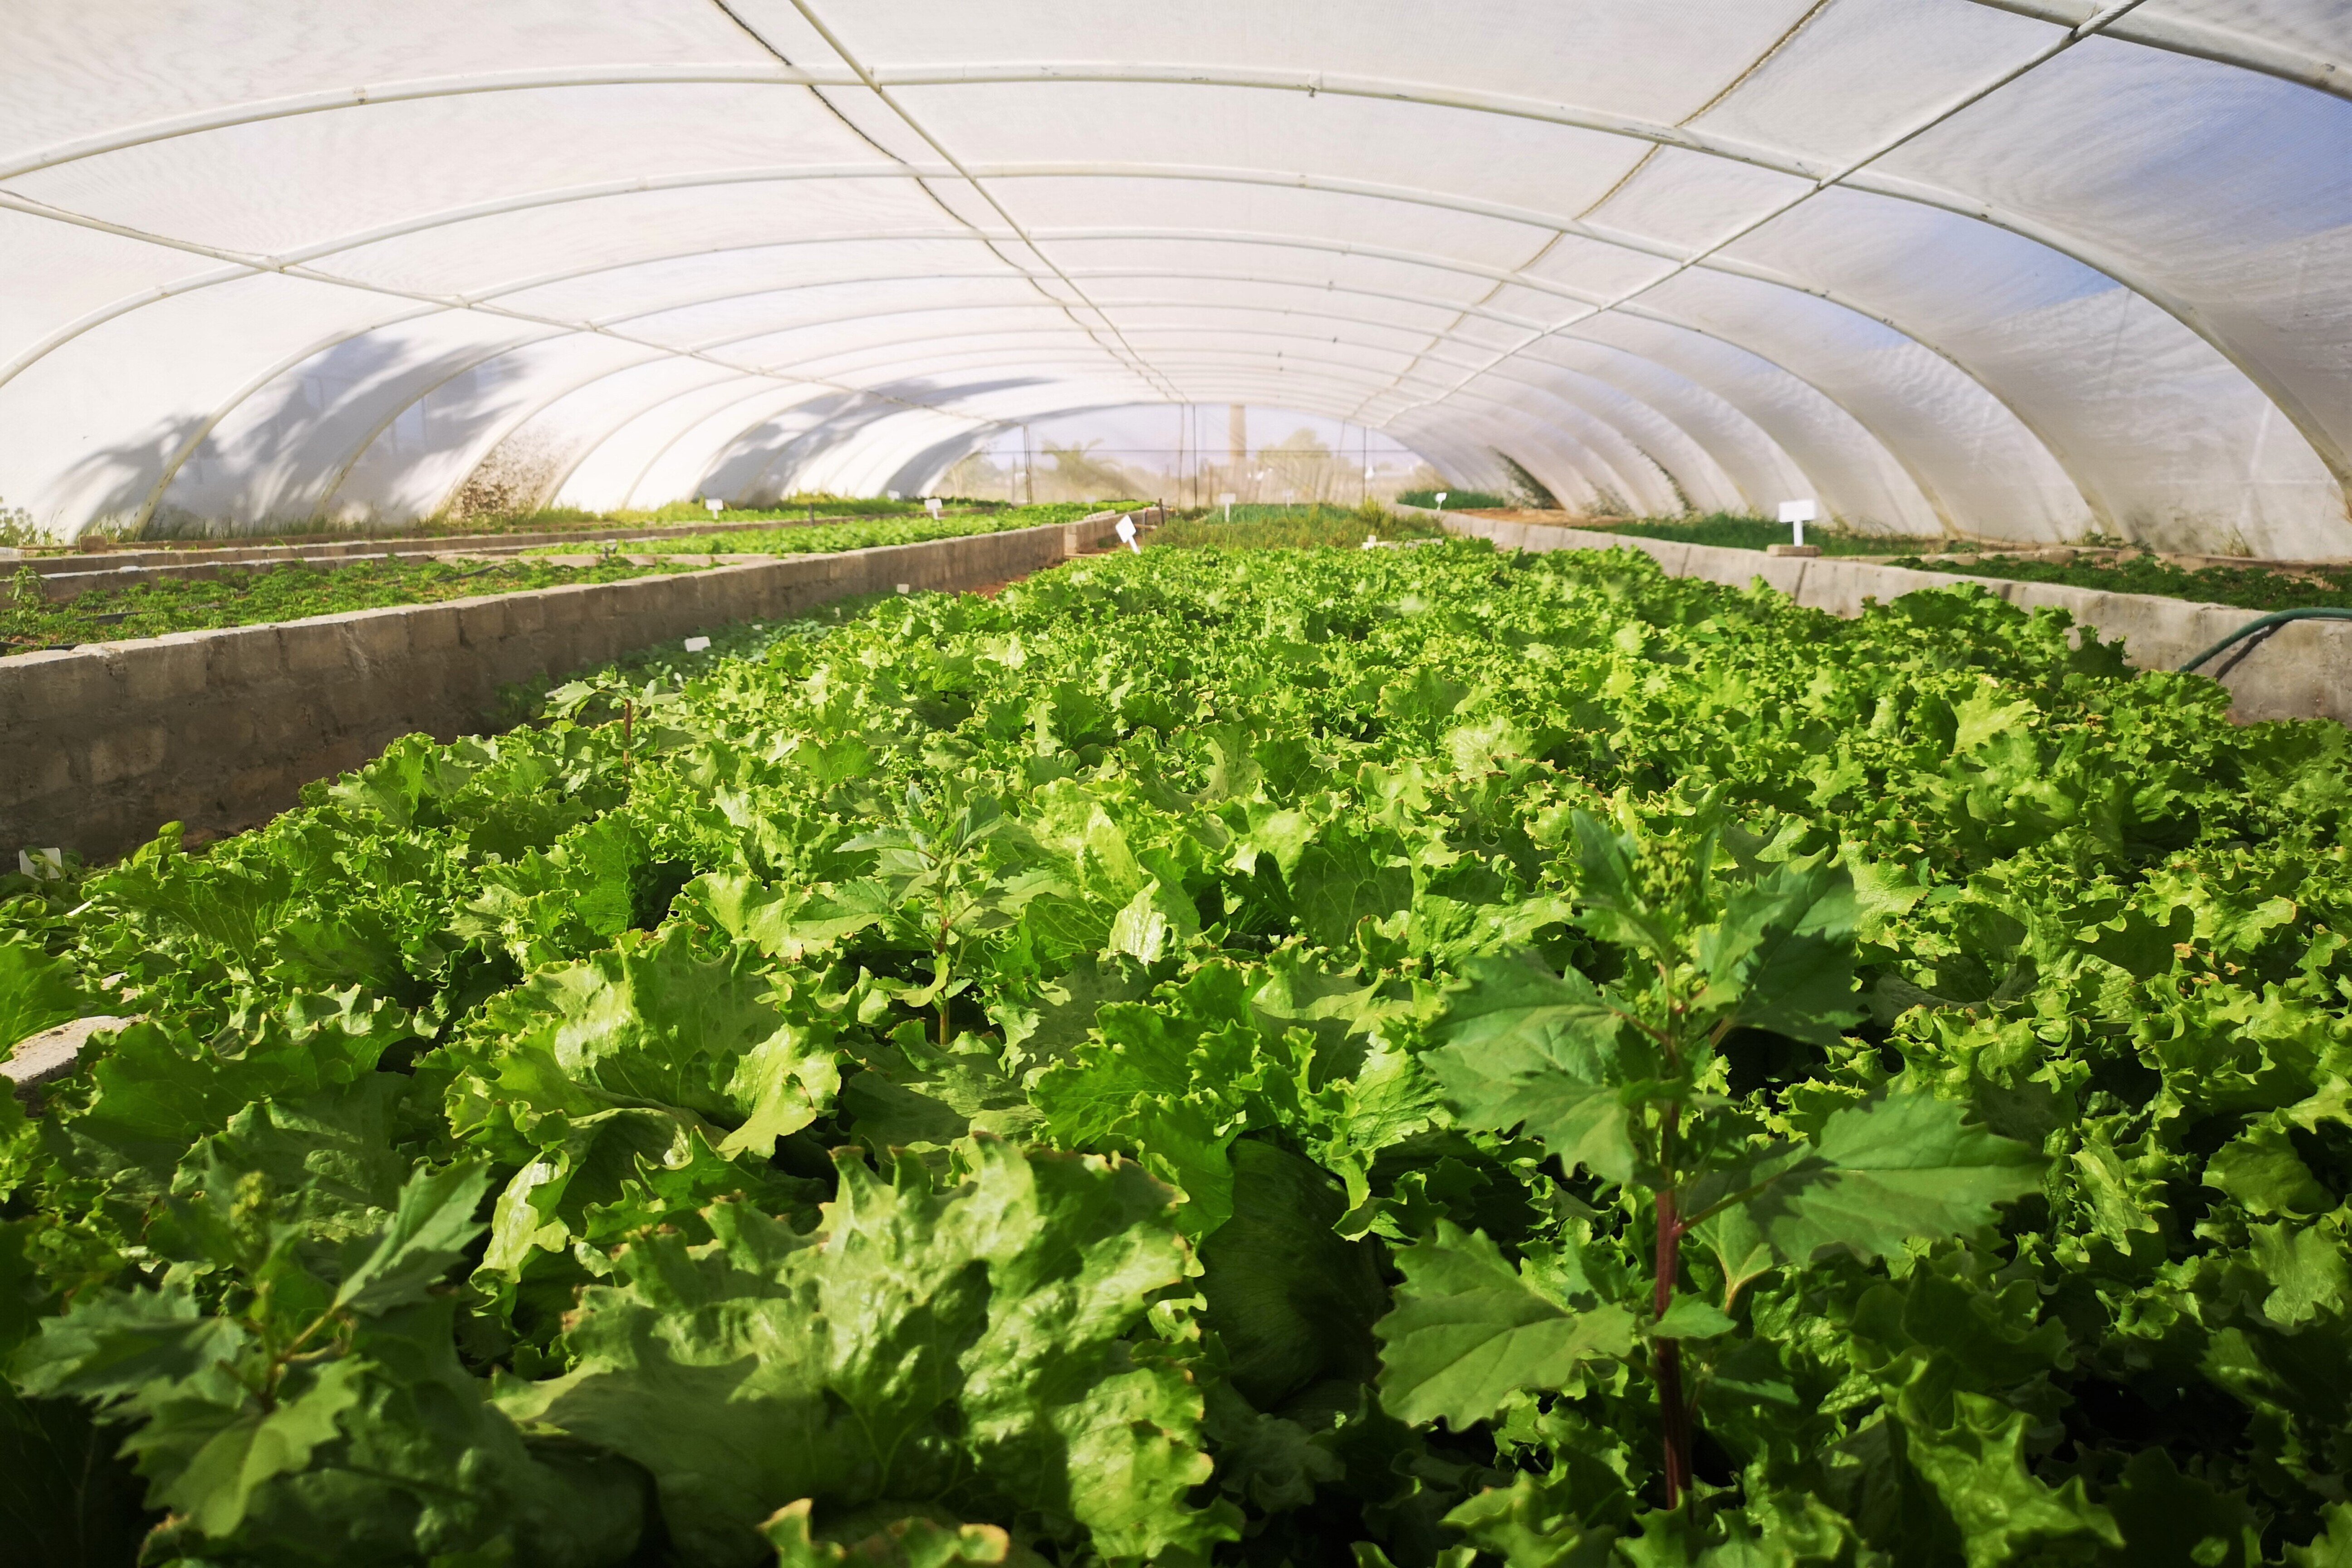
x=318 y=1402
x=1627 y=1082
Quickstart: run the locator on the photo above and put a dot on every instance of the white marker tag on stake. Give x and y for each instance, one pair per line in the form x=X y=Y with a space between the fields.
x=715 y=504
x=42 y=865
x=905 y=587
x=1796 y=514
x=1440 y=499
x=696 y=645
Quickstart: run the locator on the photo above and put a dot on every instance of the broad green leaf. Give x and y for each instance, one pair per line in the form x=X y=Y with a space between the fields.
x=113 y=1345
x=1293 y=1302
x=38 y=992
x=1610 y=901
x=1154 y=922
x=2119 y=1197
x=1529 y=1525
x=785 y=1082
x=1882 y=893
x=1777 y=1528
x=1346 y=874
x=217 y=1461
x=328 y=1158
x=1525 y=1046
x=922 y=1345
x=2261 y=1170
x=1169 y=1081
x=2309 y=1270
x=1691 y=1317
x=581 y=1160
x=430 y=1231
x=158 y=1088
x=1235 y=774
x=2333 y=1546
x=1782 y=956
x=665 y=1023
x=1740 y=1251
x=2172 y=1520
x=1976 y=1468
x=1468 y=1330
x=783 y=924
x=1903 y=1167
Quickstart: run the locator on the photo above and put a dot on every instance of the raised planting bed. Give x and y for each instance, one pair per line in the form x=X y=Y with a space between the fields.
x=44 y=614
x=101 y=744
x=794 y=539
x=1290 y=527
x=2211 y=579
x=2297 y=672
x=2236 y=581
x=1325 y=1057
x=106 y=557
x=518 y=531
x=70 y=577
x=1726 y=532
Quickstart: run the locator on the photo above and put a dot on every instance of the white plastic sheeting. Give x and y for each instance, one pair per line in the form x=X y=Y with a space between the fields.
x=2021 y=268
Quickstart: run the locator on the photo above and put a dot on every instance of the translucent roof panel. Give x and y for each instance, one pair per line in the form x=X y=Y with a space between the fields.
x=2002 y=268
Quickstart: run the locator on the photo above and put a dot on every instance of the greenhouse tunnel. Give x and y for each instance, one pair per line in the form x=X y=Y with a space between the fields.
x=2030 y=270
x=868 y=783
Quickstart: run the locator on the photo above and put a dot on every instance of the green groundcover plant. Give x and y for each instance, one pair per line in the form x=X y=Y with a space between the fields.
x=1458 y=500
x=1728 y=531
x=802 y=540
x=1348 y=1058
x=1313 y=526
x=2249 y=587
x=30 y=621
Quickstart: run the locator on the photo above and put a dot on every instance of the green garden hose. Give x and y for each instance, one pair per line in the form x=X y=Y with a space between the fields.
x=2277 y=619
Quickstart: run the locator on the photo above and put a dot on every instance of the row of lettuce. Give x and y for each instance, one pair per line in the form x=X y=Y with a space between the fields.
x=1370 y=1057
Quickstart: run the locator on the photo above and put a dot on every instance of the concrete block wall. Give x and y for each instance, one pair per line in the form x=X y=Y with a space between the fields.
x=219 y=730
x=2300 y=670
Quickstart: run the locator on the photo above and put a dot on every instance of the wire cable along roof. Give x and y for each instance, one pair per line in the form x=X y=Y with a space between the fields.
x=2009 y=268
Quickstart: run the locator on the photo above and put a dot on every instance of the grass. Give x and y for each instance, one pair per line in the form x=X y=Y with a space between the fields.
x=1728 y=531
x=1289 y=528
x=2249 y=587
x=797 y=507
x=29 y=623
x=804 y=539
x=791 y=509
x=1459 y=501
x=2245 y=587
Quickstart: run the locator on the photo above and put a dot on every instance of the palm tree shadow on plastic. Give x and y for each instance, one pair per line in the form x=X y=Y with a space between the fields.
x=282 y=459
x=765 y=462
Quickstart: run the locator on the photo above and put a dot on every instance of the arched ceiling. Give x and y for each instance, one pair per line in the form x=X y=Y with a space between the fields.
x=2020 y=268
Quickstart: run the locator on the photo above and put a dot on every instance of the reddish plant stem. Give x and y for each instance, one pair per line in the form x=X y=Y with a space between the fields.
x=1673 y=1413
